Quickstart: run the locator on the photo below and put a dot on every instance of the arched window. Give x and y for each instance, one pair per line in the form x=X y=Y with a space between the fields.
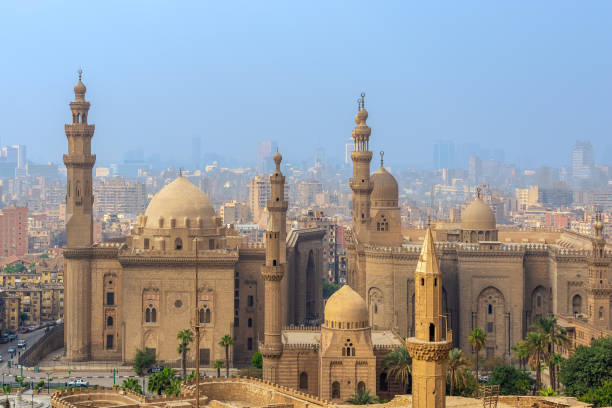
x=148 y=315
x=577 y=304
x=146 y=243
x=432 y=332
x=303 y=381
x=207 y=316
x=250 y=322
x=109 y=321
x=335 y=389
x=201 y=315
x=490 y=309
x=361 y=386
x=153 y=315
x=384 y=385
x=178 y=244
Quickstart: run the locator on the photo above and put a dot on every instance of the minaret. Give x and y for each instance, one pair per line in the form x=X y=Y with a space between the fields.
x=598 y=288
x=432 y=341
x=360 y=183
x=79 y=228
x=272 y=273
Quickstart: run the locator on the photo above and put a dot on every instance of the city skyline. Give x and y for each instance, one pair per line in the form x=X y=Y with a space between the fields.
x=469 y=73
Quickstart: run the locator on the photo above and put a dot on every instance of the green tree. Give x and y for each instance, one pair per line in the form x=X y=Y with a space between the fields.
x=218 y=365
x=456 y=364
x=161 y=380
x=6 y=390
x=185 y=337
x=555 y=336
x=511 y=381
x=478 y=338
x=588 y=368
x=329 y=288
x=363 y=397
x=132 y=384
x=257 y=360
x=143 y=360
x=520 y=350
x=537 y=345
x=600 y=396
x=398 y=364
x=22 y=317
x=174 y=388
x=226 y=341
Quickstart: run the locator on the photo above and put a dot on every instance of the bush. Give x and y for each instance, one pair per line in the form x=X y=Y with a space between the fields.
x=143 y=360
x=588 y=368
x=329 y=289
x=257 y=360
x=511 y=381
x=600 y=396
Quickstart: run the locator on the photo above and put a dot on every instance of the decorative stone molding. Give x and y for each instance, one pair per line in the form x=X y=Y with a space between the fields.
x=428 y=351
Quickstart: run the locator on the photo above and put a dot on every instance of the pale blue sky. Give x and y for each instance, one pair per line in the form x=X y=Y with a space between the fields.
x=530 y=77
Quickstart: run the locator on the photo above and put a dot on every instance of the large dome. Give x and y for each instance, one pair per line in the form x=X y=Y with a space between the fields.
x=478 y=216
x=346 y=306
x=179 y=200
x=385 y=191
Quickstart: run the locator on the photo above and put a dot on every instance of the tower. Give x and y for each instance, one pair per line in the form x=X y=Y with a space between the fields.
x=432 y=341
x=79 y=227
x=272 y=272
x=360 y=183
x=598 y=288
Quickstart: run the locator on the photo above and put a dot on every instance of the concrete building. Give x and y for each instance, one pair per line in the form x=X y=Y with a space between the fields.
x=259 y=194
x=137 y=292
x=13 y=231
x=119 y=196
x=235 y=212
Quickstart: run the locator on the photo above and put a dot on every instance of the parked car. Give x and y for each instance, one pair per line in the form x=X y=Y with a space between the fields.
x=32 y=328
x=1 y=358
x=12 y=350
x=24 y=330
x=4 y=339
x=12 y=337
x=155 y=369
x=78 y=382
x=21 y=344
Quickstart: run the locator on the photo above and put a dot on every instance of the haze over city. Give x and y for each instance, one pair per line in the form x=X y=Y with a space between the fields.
x=492 y=76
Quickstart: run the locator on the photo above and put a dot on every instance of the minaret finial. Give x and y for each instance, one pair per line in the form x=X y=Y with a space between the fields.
x=382 y=155
x=80 y=71
x=180 y=172
x=362 y=101
x=478 y=190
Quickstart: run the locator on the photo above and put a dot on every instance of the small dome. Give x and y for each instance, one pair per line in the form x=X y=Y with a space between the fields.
x=179 y=200
x=346 y=306
x=361 y=116
x=478 y=216
x=80 y=88
x=385 y=188
x=278 y=158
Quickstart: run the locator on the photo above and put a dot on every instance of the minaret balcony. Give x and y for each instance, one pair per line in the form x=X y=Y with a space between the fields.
x=79 y=160
x=272 y=273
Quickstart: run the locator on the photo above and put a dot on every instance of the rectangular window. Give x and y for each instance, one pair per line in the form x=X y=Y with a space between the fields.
x=109 y=342
x=205 y=356
x=489 y=327
x=110 y=298
x=236 y=303
x=250 y=343
x=236 y=322
x=250 y=301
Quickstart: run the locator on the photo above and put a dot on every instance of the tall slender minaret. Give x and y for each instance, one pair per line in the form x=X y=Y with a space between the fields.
x=432 y=341
x=273 y=272
x=360 y=183
x=79 y=228
x=598 y=287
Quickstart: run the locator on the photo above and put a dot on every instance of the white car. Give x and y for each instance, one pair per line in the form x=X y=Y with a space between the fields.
x=78 y=382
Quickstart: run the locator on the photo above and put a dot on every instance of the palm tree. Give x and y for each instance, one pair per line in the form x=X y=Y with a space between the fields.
x=456 y=364
x=536 y=344
x=132 y=384
x=218 y=365
x=363 y=397
x=555 y=334
x=520 y=349
x=399 y=365
x=478 y=338
x=6 y=390
x=161 y=380
x=226 y=341
x=185 y=337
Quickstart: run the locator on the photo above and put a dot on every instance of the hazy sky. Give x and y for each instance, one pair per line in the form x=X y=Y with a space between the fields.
x=529 y=77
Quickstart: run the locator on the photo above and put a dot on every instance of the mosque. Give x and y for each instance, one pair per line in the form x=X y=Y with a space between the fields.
x=138 y=293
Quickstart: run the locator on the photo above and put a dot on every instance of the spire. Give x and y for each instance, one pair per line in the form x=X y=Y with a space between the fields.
x=428 y=262
x=80 y=71
x=382 y=155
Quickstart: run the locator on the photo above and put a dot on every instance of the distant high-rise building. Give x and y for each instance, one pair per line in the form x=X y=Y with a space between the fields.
x=118 y=196
x=259 y=194
x=14 y=231
x=234 y=212
x=264 y=155
x=444 y=154
x=474 y=169
x=196 y=152
x=307 y=191
x=583 y=160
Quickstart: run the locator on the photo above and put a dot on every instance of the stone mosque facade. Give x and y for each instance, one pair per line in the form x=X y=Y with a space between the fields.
x=494 y=279
x=139 y=292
